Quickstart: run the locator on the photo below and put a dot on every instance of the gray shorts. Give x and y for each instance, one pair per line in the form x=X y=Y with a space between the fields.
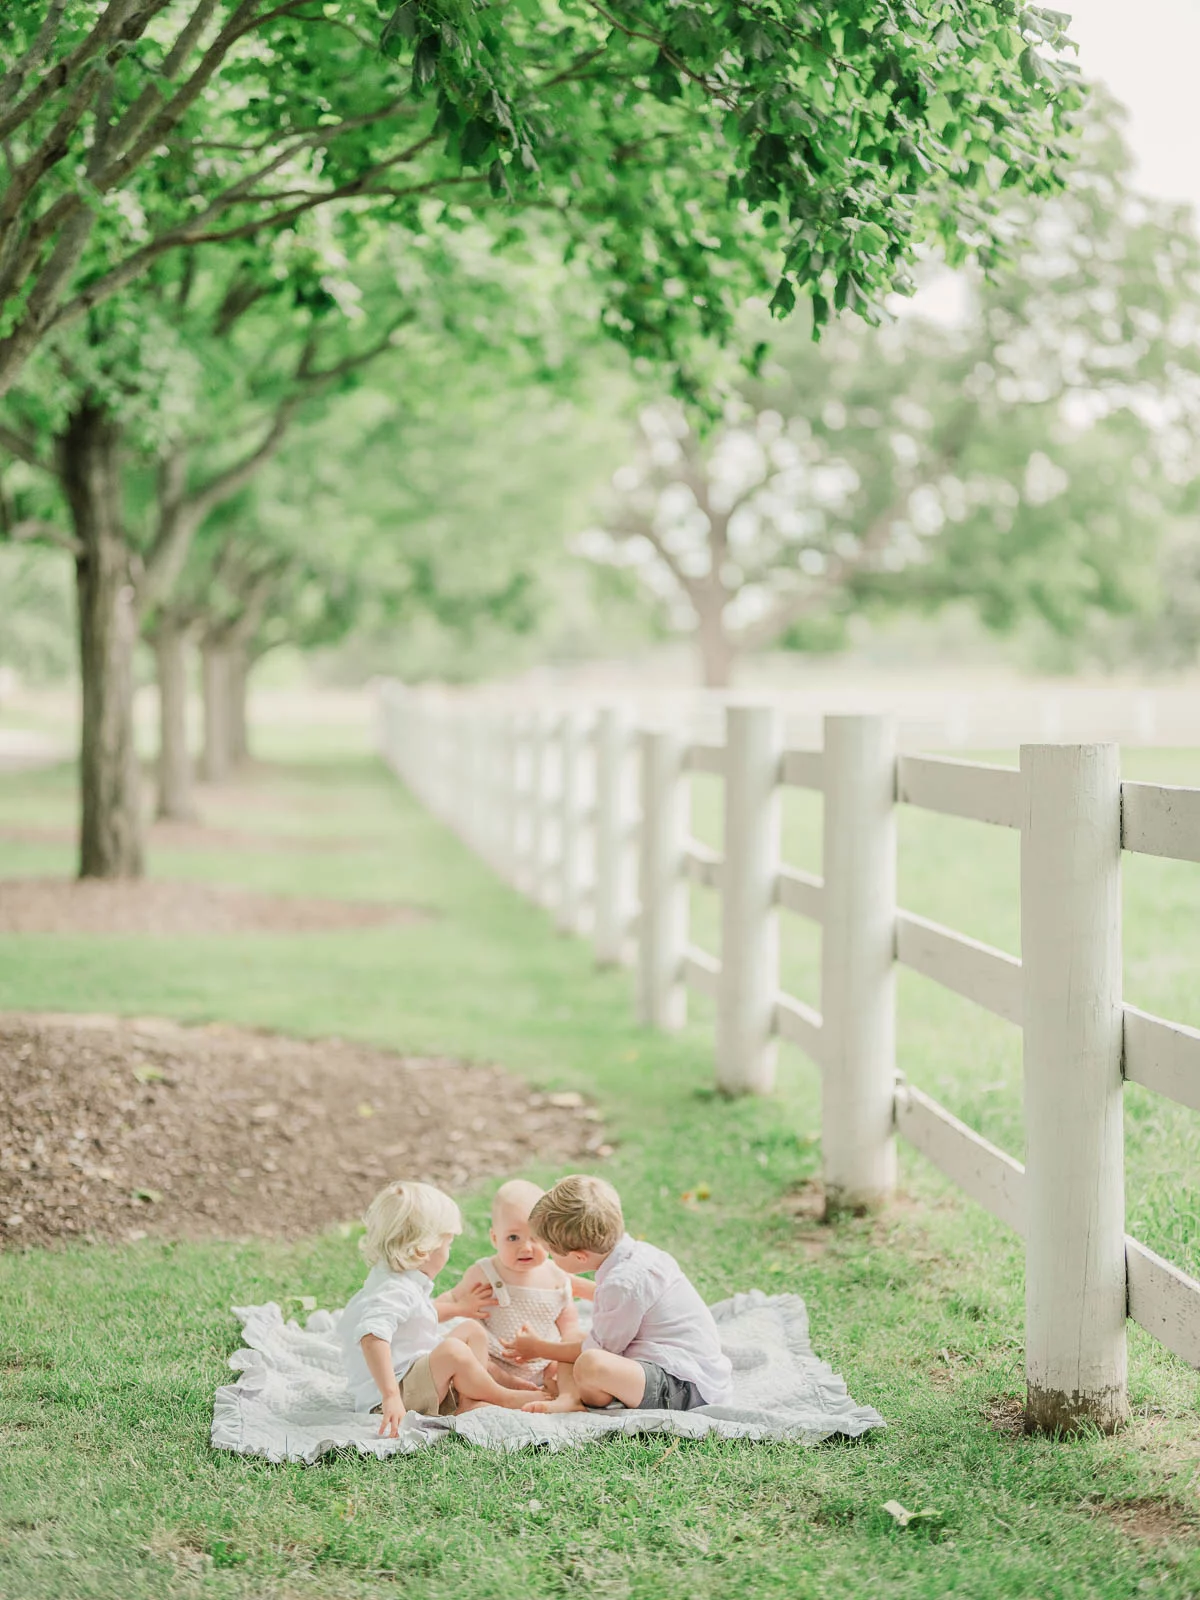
x=665 y=1392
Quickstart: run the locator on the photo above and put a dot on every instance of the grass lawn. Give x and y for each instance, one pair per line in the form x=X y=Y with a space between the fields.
x=109 y=1356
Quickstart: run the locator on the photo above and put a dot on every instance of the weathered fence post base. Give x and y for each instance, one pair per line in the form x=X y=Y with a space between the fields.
x=1075 y=1285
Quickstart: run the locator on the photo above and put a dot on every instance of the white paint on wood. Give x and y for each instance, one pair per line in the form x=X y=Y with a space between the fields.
x=702 y=865
x=978 y=972
x=1164 y=1301
x=701 y=971
x=749 y=919
x=1158 y=820
x=615 y=833
x=801 y=892
x=799 y=1024
x=1071 y=979
x=570 y=802
x=802 y=769
x=704 y=758
x=509 y=797
x=991 y=1177
x=540 y=734
x=961 y=789
x=858 y=995
x=662 y=888
x=1163 y=1056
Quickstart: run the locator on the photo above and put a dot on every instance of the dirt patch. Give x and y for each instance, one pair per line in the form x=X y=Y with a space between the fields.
x=1005 y=1414
x=1154 y=1521
x=115 y=1129
x=162 y=906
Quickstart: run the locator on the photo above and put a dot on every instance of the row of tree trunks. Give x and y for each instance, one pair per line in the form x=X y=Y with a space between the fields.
x=225 y=745
x=175 y=799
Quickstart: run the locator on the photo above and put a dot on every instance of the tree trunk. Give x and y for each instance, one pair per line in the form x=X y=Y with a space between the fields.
x=716 y=647
x=236 y=687
x=110 y=837
x=218 y=756
x=175 y=801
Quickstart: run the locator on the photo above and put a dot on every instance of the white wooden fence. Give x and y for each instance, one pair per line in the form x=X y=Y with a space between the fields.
x=588 y=816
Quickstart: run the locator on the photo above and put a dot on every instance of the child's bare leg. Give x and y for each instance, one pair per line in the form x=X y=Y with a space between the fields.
x=453 y=1362
x=474 y=1337
x=511 y=1380
x=595 y=1379
x=550 y=1379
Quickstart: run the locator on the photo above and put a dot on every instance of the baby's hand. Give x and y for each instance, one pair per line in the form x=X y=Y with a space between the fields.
x=476 y=1302
x=523 y=1346
x=393 y=1409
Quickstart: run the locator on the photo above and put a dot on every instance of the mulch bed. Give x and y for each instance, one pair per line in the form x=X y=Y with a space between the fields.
x=118 y=1129
x=163 y=906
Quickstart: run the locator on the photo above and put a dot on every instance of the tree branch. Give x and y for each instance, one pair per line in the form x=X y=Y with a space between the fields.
x=791 y=608
x=120 y=21
x=37 y=529
x=25 y=449
x=10 y=84
x=127 y=270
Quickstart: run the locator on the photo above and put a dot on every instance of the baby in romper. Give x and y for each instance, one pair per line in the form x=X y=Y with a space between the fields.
x=531 y=1293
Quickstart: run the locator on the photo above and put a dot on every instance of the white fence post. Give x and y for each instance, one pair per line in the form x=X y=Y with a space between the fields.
x=1075 y=1294
x=749 y=922
x=539 y=845
x=509 y=798
x=569 y=824
x=662 y=920
x=858 y=986
x=613 y=821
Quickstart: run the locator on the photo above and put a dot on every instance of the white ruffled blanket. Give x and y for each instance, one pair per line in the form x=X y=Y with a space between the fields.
x=291 y=1402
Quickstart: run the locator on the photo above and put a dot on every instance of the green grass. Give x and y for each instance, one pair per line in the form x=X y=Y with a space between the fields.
x=109 y=1356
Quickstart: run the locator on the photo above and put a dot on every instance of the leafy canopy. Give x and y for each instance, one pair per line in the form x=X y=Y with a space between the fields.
x=691 y=153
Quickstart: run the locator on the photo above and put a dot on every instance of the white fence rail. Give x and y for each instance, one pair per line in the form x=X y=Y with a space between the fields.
x=589 y=817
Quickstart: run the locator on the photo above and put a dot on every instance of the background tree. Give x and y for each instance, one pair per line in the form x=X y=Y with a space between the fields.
x=1025 y=457
x=146 y=426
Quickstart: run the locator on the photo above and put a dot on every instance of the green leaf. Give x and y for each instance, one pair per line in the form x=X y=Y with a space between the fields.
x=784 y=298
x=664 y=79
x=425 y=59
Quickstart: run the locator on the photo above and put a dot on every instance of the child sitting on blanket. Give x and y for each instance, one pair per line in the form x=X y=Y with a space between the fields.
x=653 y=1344
x=394 y=1359
x=530 y=1292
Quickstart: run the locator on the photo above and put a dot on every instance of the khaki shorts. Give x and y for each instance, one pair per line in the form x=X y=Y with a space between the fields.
x=419 y=1392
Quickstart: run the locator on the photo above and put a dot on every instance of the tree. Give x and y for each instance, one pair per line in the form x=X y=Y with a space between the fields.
x=1026 y=459
x=126 y=563
x=148 y=421
x=679 y=144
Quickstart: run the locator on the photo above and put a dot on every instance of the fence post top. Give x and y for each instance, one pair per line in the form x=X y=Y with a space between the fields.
x=1038 y=752
x=858 y=719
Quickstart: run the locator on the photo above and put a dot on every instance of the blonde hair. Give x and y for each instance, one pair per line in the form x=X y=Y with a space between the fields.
x=579 y=1213
x=518 y=1195
x=406 y=1222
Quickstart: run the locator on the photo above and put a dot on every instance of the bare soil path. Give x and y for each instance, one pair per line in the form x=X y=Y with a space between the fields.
x=113 y=1129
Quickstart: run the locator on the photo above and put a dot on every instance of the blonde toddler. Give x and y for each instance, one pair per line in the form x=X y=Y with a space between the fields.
x=394 y=1358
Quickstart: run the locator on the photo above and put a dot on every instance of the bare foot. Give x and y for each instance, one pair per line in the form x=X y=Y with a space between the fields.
x=562 y=1402
x=519 y=1399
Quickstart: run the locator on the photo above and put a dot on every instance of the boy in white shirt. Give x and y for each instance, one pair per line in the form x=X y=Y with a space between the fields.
x=653 y=1344
x=394 y=1359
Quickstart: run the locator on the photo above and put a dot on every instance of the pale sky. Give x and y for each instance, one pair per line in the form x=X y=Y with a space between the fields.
x=1148 y=52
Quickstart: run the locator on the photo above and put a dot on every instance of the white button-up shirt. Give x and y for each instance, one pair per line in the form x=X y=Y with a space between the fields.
x=397 y=1307
x=647 y=1310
